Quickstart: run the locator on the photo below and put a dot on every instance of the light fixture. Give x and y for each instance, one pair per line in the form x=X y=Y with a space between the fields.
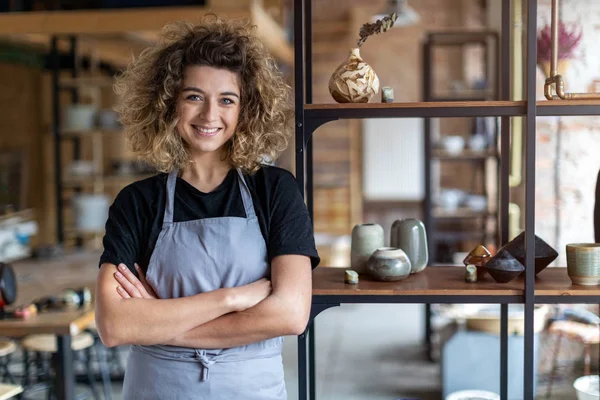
x=406 y=14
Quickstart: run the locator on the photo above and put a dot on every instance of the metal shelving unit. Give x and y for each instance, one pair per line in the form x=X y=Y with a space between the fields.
x=329 y=291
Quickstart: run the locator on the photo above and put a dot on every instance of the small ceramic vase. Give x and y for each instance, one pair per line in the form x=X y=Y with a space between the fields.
x=354 y=81
x=503 y=267
x=544 y=253
x=410 y=236
x=389 y=264
x=366 y=238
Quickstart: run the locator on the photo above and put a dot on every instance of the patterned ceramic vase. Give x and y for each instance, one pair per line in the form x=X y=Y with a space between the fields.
x=409 y=235
x=354 y=81
x=366 y=238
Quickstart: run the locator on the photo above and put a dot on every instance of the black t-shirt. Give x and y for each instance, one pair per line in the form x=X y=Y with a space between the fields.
x=136 y=216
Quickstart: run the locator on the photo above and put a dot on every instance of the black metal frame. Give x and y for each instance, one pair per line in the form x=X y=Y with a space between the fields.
x=308 y=119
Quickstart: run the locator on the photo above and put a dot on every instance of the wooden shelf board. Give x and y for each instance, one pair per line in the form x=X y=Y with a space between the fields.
x=465 y=155
x=461 y=212
x=416 y=109
x=89 y=133
x=96 y=81
x=447 y=280
x=443 y=280
x=568 y=107
x=106 y=179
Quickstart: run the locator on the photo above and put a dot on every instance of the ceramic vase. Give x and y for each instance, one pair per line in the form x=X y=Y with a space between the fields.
x=366 y=238
x=354 y=81
x=410 y=236
x=389 y=264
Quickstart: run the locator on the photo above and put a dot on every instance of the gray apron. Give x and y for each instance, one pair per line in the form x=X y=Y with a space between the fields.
x=194 y=257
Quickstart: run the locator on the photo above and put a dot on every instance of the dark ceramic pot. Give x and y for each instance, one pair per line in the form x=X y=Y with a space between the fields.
x=503 y=267
x=544 y=253
x=389 y=264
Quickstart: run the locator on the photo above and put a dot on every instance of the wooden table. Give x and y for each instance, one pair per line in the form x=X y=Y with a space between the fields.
x=434 y=285
x=37 y=278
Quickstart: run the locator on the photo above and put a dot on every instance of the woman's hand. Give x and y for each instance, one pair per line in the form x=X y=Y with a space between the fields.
x=131 y=286
x=247 y=296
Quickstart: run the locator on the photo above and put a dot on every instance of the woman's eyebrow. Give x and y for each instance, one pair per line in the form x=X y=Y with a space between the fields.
x=198 y=90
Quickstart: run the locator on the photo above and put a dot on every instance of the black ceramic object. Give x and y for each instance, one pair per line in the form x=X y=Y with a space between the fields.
x=503 y=267
x=544 y=253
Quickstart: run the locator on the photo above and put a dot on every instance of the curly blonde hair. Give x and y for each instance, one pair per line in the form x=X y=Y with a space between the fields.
x=149 y=87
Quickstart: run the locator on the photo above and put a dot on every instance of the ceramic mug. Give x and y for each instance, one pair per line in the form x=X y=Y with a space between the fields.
x=583 y=263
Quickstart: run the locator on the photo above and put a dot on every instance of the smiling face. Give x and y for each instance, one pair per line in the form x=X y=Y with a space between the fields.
x=208 y=107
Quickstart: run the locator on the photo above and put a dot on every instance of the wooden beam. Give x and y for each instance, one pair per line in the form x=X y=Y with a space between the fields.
x=104 y=21
x=272 y=35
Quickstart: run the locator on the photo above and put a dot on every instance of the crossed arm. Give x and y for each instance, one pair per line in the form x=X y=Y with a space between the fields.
x=218 y=319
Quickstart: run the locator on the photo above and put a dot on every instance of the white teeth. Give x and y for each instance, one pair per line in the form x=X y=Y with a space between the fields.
x=206 y=130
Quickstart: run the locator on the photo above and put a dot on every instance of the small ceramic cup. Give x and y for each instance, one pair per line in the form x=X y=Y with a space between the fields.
x=389 y=264
x=583 y=263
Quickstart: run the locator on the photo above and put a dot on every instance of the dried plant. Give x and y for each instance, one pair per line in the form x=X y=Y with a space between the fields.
x=568 y=41
x=377 y=27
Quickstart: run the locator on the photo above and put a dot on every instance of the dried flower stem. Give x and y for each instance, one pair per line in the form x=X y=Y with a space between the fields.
x=380 y=26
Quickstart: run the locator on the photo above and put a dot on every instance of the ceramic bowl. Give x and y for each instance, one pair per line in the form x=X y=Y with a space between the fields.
x=453 y=144
x=503 y=267
x=544 y=253
x=389 y=264
x=583 y=263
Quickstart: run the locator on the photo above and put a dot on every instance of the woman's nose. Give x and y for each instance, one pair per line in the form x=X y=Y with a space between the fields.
x=209 y=111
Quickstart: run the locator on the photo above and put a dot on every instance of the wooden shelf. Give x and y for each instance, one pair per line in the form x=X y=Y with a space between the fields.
x=98 y=81
x=89 y=133
x=415 y=109
x=568 y=107
x=447 y=109
x=449 y=281
x=444 y=280
x=465 y=155
x=71 y=181
x=461 y=212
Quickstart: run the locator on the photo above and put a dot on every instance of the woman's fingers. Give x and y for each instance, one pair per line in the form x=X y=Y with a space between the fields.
x=123 y=293
x=145 y=283
x=129 y=282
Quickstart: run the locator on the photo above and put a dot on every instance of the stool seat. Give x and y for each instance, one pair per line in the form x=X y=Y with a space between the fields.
x=8 y=391
x=7 y=347
x=582 y=333
x=46 y=343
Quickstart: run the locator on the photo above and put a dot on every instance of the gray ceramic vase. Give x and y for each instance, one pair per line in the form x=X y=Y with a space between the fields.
x=389 y=264
x=410 y=236
x=366 y=238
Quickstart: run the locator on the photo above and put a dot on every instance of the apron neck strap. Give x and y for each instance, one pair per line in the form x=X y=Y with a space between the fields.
x=244 y=191
x=246 y=196
x=171 y=181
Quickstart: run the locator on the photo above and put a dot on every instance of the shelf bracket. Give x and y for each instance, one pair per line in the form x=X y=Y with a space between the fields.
x=312 y=124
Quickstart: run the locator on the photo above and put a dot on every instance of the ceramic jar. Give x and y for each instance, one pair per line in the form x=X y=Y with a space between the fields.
x=410 y=236
x=389 y=264
x=583 y=263
x=366 y=238
x=354 y=81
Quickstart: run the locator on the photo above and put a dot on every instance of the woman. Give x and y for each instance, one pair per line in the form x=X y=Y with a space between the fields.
x=208 y=264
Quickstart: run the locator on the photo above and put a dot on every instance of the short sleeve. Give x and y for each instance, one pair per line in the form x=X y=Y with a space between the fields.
x=290 y=230
x=123 y=229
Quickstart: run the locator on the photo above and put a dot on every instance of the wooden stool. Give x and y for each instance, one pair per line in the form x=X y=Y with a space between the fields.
x=578 y=332
x=7 y=347
x=9 y=391
x=46 y=343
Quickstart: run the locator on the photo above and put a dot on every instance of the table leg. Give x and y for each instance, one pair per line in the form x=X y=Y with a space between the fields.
x=312 y=370
x=302 y=367
x=63 y=367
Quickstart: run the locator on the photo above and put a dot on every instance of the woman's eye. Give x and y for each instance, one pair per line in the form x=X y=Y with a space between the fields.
x=193 y=97
x=227 y=101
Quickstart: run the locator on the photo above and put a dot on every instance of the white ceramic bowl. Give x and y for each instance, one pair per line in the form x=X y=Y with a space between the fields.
x=587 y=387
x=473 y=395
x=476 y=203
x=453 y=144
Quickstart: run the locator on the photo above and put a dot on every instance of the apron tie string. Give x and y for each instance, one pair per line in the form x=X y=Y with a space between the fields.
x=206 y=363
